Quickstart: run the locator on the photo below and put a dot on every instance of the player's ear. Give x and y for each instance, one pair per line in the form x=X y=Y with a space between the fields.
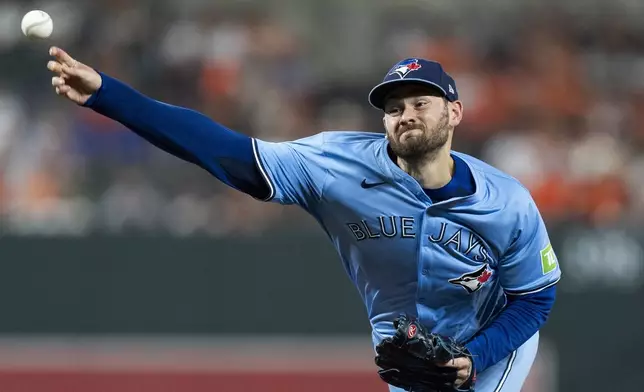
x=455 y=111
x=384 y=124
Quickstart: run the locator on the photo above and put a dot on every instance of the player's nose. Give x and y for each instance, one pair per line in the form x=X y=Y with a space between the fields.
x=407 y=116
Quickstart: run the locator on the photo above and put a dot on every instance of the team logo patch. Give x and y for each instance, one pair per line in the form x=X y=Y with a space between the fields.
x=403 y=68
x=473 y=281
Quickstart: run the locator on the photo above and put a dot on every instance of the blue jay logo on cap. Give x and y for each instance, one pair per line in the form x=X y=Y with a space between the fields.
x=405 y=67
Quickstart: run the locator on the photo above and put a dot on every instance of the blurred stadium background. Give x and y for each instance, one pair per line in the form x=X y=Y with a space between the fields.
x=124 y=269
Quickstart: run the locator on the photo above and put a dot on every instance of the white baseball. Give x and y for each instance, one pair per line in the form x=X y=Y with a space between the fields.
x=37 y=24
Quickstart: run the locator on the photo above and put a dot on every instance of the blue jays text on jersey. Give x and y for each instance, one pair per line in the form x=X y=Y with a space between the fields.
x=448 y=263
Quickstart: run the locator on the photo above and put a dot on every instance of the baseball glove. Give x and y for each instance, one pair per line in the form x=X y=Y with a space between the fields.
x=409 y=360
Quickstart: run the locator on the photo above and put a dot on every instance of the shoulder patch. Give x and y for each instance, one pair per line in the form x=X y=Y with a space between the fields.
x=548 y=259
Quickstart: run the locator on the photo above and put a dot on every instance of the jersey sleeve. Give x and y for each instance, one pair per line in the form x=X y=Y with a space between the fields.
x=530 y=264
x=294 y=171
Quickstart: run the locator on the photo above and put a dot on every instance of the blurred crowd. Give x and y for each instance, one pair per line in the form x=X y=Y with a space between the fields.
x=553 y=94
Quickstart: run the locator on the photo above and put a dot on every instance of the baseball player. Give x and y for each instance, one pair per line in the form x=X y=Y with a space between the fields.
x=450 y=255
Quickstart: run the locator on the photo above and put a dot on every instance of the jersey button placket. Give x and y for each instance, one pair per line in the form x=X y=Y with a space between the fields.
x=424 y=265
x=424 y=279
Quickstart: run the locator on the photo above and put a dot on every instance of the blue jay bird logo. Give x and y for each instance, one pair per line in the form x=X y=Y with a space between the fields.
x=473 y=281
x=403 y=68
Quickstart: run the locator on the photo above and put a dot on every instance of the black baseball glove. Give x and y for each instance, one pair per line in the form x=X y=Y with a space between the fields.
x=409 y=360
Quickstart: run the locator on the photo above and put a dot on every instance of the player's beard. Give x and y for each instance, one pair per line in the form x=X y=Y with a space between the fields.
x=424 y=146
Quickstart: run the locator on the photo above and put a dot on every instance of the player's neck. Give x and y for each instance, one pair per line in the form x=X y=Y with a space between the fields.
x=433 y=172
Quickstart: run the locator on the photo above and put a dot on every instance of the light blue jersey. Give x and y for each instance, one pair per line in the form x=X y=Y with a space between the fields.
x=449 y=263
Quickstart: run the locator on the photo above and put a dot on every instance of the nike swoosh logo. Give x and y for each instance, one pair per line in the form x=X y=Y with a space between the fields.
x=367 y=185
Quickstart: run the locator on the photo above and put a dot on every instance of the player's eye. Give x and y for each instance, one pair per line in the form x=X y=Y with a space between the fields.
x=421 y=104
x=392 y=111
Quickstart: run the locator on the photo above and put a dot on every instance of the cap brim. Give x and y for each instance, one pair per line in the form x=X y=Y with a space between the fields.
x=378 y=94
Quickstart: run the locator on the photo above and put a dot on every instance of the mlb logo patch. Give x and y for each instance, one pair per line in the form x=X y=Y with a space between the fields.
x=403 y=68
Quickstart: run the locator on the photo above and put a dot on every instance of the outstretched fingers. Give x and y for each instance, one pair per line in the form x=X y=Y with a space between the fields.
x=64 y=65
x=62 y=57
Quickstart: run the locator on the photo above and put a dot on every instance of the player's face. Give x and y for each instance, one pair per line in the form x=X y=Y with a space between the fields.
x=417 y=121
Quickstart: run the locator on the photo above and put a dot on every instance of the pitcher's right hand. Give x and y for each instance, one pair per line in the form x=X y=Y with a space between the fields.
x=74 y=80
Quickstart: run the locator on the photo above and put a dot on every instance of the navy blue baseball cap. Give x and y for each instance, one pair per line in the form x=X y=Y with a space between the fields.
x=419 y=71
